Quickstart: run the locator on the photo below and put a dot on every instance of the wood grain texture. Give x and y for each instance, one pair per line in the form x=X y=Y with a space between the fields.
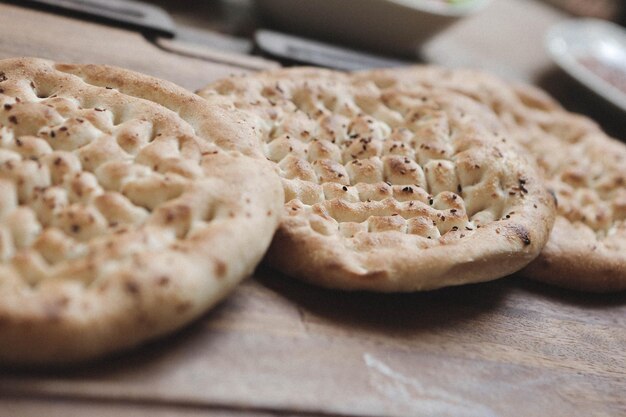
x=27 y=407
x=278 y=347
x=508 y=348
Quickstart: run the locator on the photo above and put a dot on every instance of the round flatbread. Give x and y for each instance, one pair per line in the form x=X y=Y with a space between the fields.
x=128 y=207
x=391 y=191
x=584 y=167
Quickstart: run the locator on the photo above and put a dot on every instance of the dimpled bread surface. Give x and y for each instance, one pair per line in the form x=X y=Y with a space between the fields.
x=128 y=207
x=585 y=168
x=391 y=191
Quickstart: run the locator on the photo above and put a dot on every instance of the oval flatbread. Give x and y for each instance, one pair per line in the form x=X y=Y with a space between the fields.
x=128 y=207
x=584 y=167
x=391 y=191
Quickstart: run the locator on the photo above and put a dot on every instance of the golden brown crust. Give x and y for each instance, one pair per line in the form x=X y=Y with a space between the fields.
x=391 y=191
x=573 y=259
x=128 y=208
x=584 y=167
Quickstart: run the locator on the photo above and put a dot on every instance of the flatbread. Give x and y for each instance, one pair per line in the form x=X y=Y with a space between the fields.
x=391 y=191
x=584 y=167
x=128 y=207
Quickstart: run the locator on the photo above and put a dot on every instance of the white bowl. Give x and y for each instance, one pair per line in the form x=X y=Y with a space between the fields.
x=572 y=42
x=385 y=26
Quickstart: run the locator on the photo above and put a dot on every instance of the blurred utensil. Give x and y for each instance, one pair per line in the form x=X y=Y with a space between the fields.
x=294 y=49
x=130 y=14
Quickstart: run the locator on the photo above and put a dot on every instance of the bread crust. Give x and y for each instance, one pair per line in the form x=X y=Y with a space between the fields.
x=387 y=190
x=585 y=168
x=129 y=207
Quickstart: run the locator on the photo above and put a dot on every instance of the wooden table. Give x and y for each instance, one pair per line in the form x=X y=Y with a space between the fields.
x=277 y=347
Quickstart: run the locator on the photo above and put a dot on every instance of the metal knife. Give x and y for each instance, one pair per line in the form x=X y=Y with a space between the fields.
x=294 y=49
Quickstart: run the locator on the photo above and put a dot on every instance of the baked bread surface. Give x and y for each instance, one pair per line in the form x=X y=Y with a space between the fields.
x=391 y=190
x=584 y=167
x=128 y=207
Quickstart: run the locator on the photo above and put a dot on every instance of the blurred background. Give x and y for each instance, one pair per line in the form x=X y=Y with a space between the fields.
x=574 y=49
x=391 y=28
x=506 y=37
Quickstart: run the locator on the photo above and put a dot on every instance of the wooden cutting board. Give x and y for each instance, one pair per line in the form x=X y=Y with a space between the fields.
x=277 y=347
